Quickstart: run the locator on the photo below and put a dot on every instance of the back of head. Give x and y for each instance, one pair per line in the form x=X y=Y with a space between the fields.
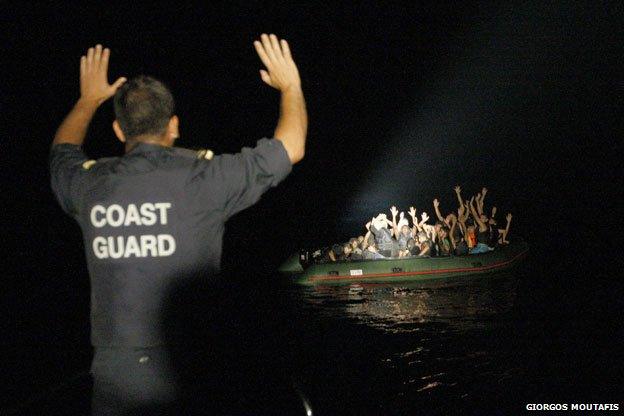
x=143 y=107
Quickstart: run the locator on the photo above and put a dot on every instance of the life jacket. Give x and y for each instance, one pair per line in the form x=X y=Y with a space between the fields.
x=471 y=239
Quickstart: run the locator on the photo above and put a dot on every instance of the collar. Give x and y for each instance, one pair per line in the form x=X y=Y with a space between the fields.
x=143 y=147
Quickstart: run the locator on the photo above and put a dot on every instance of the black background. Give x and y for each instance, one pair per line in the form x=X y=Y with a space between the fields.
x=405 y=100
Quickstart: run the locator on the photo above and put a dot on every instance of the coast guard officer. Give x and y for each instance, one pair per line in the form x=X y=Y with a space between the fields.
x=157 y=213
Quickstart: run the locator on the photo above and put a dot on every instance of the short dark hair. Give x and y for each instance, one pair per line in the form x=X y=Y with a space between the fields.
x=143 y=106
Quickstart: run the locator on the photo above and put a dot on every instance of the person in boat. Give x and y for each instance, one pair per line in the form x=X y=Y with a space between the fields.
x=481 y=231
x=471 y=236
x=504 y=232
x=356 y=255
x=429 y=229
x=402 y=231
x=360 y=241
x=346 y=253
x=410 y=249
x=498 y=235
x=335 y=252
x=443 y=245
x=446 y=220
x=355 y=247
x=383 y=236
x=424 y=244
x=421 y=226
x=371 y=252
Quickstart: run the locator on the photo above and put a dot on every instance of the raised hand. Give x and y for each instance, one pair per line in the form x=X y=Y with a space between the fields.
x=394 y=211
x=281 y=71
x=493 y=212
x=412 y=211
x=457 y=189
x=401 y=215
x=484 y=191
x=94 y=84
x=368 y=224
x=424 y=217
x=436 y=203
x=509 y=216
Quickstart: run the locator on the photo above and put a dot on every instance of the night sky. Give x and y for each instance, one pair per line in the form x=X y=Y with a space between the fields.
x=405 y=100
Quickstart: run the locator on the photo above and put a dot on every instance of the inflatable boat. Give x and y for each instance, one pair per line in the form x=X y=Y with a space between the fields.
x=407 y=269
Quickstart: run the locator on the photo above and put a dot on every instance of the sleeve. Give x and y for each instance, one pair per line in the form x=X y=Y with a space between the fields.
x=67 y=174
x=375 y=231
x=242 y=178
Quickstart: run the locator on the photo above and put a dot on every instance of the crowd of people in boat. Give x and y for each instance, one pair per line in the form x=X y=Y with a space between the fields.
x=468 y=231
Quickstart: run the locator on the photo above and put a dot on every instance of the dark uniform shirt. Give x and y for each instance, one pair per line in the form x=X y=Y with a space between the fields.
x=152 y=217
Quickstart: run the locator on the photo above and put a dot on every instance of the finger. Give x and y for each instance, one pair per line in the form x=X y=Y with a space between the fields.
x=104 y=60
x=90 y=53
x=286 y=49
x=268 y=48
x=97 y=56
x=83 y=65
x=276 y=47
x=118 y=83
x=266 y=77
x=262 y=54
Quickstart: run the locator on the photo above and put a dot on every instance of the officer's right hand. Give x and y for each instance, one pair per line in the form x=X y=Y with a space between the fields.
x=281 y=72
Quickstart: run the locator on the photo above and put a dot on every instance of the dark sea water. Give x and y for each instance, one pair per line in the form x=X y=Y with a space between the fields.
x=477 y=345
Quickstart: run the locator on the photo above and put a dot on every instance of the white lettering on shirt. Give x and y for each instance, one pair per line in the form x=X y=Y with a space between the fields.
x=132 y=246
x=115 y=215
x=94 y=220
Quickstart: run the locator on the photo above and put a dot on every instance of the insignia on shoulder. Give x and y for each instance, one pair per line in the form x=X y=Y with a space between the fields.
x=87 y=165
x=205 y=154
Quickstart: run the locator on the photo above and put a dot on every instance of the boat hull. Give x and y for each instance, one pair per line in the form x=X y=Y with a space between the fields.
x=406 y=269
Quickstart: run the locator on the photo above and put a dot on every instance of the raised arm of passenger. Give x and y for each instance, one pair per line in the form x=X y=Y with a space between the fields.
x=436 y=207
x=458 y=194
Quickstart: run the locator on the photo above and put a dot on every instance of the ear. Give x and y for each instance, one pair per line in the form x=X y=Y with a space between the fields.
x=118 y=132
x=173 y=131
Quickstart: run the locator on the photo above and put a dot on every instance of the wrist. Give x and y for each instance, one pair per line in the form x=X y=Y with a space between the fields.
x=88 y=103
x=294 y=88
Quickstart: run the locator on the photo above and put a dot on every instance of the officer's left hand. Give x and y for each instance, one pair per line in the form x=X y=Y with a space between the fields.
x=94 y=84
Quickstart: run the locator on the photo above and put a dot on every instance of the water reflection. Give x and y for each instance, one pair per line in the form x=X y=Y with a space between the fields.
x=462 y=304
x=440 y=344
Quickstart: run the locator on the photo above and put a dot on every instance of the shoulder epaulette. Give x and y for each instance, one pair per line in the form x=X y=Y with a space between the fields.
x=87 y=164
x=194 y=154
x=205 y=154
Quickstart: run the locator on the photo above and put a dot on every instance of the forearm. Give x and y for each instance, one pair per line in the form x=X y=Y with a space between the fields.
x=366 y=237
x=459 y=199
x=476 y=216
x=480 y=206
x=394 y=227
x=292 y=125
x=438 y=214
x=451 y=234
x=74 y=128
